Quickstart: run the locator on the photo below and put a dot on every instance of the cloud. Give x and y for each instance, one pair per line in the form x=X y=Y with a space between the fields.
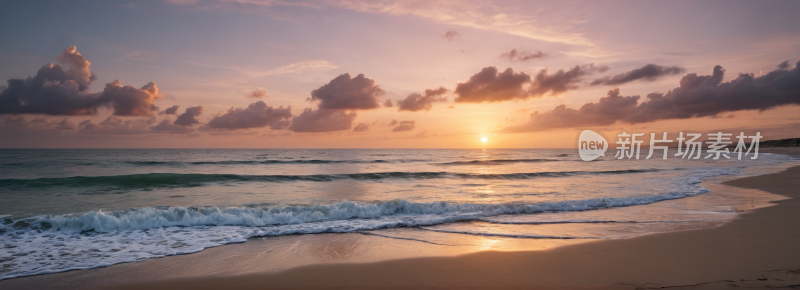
x=56 y=90
x=130 y=101
x=259 y=93
x=343 y=93
x=117 y=126
x=172 y=110
x=697 y=96
x=394 y=122
x=256 y=115
x=404 y=126
x=523 y=55
x=648 y=73
x=300 y=67
x=483 y=15
x=322 y=120
x=78 y=70
x=423 y=134
x=347 y=93
x=181 y=2
x=450 y=35
x=139 y=55
x=40 y=124
x=189 y=117
x=561 y=81
x=361 y=127
x=605 y=112
x=784 y=65
x=490 y=86
x=388 y=104
x=169 y=128
x=15 y=121
x=65 y=125
x=417 y=102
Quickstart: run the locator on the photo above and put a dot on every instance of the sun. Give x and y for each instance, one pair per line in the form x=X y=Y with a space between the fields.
x=484 y=139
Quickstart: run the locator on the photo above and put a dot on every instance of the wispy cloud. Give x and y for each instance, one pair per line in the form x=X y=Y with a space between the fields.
x=300 y=67
x=475 y=14
x=139 y=55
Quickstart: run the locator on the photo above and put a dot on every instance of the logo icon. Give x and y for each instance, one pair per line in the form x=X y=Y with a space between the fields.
x=591 y=145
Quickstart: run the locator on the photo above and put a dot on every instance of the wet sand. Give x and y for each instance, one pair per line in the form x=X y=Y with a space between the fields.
x=759 y=249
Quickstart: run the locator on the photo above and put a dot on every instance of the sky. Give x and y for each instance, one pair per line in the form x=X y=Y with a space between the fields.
x=391 y=74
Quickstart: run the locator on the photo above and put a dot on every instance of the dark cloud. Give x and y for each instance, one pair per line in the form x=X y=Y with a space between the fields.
x=388 y=104
x=394 y=122
x=259 y=93
x=450 y=35
x=697 y=96
x=56 y=90
x=605 y=112
x=15 y=121
x=65 y=125
x=418 y=102
x=169 y=128
x=322 y=120
x=282 y=124
x=50 y=92
x=40 y=124
x=648 y=72
x=189 y=117
x=361 y=127
x=131 y=101
x=172 y=110
x=256 y=115
x=404 y=126
x=522 y=55
x=117 y=126
x=347 y=93
x=562 y=81
x=490 y=86
x=784 y=65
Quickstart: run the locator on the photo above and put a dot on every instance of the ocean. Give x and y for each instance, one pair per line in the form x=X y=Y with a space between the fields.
x=66 y=209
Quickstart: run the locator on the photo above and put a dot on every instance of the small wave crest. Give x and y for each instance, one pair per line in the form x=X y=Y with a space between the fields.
x=169 y=180
x=154 y=217
x=497 y=161
x=266 y=162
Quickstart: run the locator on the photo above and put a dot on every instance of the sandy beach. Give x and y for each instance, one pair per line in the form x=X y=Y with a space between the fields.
x=758 y=249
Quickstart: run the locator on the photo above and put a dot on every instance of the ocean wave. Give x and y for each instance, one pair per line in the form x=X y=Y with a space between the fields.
x=498 y=161
x=583 y=222
x=154 y=217
x=168 y=180
x=271 y=161
x=479 y=233
x=130 y=235
x=97 y=238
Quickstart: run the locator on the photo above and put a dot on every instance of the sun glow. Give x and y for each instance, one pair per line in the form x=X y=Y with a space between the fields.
x=484 y=139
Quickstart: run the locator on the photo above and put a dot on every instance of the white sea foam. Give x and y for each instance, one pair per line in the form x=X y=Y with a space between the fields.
x=96 y=239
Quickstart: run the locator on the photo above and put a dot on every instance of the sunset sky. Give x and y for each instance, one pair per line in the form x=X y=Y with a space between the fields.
x=391 y=74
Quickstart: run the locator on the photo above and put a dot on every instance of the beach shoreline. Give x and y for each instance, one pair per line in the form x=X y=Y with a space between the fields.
x=736 y=254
